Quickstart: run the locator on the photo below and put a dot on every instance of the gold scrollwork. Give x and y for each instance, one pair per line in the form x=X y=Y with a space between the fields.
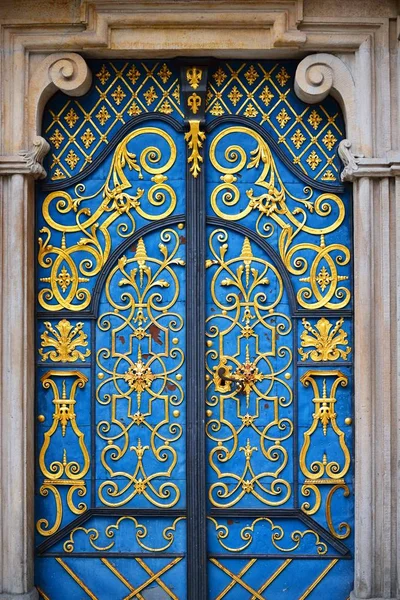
x=324 y=337
x=277 y=535
x=145 y=379
x=243 y=314
x=66 y=338
x=195 y=138
x=66 y=274
x=141 y=532
x=272 y=204
x=324 y=415
x=63 y=472
x=314 y=486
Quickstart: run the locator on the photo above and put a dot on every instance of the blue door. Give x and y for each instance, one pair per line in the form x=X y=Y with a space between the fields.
x=194 y=339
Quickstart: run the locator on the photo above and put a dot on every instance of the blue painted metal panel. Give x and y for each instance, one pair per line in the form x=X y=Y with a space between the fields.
x=111 y=436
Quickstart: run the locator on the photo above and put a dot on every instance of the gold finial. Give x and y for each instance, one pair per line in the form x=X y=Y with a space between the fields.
x=64 y=390
x=247 y=256
x=141 y=257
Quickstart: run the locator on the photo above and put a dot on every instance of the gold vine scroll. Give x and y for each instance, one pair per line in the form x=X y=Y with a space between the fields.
x=322 y=272
x=68 y=270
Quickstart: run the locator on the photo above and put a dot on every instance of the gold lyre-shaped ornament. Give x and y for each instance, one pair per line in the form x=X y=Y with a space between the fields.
x=64 y=416
x=324 y=415
x=61 y=472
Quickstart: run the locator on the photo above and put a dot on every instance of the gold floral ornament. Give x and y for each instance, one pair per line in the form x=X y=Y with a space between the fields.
x=139 y=376
x=271 y=201
x=324 y=338
x=66 y=338
x=115 y=198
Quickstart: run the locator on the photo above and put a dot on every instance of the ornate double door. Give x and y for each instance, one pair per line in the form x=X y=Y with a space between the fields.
x=194 y=325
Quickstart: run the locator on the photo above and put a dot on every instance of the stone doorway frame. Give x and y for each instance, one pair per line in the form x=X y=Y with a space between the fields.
x=354 y=64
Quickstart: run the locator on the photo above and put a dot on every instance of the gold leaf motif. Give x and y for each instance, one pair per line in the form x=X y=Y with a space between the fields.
x=87 y=138
x=195 y=137
x=325 y=338
x=133 y=74
x=176 y=94
x=313 y=160
x=217 y=110
x=103 y=75
x=66 y=338
x=103 y=115
x=314 y=119
x=266 y=95
x=118 y=95
x=329 y=140
x=58 y=174
x=283 y=118
x=164 y=73
x=71 y=117
x=134 y=109
x=298 y=139
x=72 y=159
x=251 y=75
x=194 y=75
x=234 y=95
x=250 y=111
x=150 y=95
x=57 y=138
x=328 y=176
x=166 y=108
x=283 y=77
x=219 y=76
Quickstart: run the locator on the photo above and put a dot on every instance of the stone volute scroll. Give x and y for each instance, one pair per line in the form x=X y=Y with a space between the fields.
x=65 y=71
x=321 y=74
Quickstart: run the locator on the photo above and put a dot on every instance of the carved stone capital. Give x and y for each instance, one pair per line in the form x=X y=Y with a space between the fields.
x=34 y=158
x=65 y=71
x=349 y=160
x=317 y=76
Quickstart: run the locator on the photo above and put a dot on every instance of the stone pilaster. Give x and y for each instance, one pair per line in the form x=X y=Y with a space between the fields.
x=16 y=387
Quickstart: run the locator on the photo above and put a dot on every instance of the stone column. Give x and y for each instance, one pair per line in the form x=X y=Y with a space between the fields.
x=376 y=196
x=16 y=381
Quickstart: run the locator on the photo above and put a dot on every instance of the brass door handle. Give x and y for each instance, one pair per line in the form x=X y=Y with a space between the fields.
x=240 y=381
